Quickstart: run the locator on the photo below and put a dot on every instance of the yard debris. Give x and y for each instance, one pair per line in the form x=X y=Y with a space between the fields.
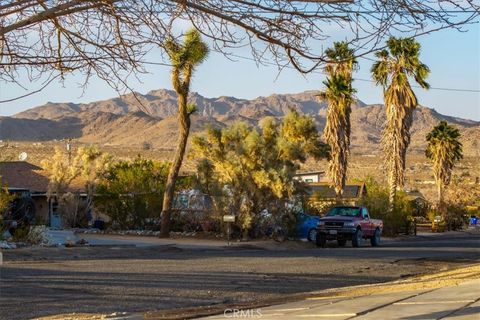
x=39 y=235
x=7 y=245
x=82 y=242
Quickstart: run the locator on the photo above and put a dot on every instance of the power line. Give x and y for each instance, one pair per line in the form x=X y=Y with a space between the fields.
x=362 y=11
x=357 y=79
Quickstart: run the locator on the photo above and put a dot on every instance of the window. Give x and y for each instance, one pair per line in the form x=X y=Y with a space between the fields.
x=365 y=213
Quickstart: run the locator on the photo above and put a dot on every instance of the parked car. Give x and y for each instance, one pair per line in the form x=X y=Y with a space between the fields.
x=307 y=226
x=473 y=220
x=348 y=223
x=270 y=226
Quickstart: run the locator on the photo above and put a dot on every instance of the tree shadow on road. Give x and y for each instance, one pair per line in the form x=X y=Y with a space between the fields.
x=29 y=292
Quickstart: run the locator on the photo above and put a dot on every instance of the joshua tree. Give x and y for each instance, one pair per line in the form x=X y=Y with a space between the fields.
x=392 y=71
x=184 y=58
x=443 y=150
x=339 y=95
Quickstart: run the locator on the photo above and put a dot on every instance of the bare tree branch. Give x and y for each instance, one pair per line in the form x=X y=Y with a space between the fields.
x=110 y=39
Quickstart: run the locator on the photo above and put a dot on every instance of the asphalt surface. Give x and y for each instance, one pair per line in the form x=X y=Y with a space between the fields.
x=124 y=276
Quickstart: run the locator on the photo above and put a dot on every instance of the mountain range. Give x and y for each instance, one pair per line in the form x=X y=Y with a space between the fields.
x=132 y=119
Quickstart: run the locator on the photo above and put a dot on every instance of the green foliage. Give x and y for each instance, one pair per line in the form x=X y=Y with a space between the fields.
x=377 y=203
x=396 y=64
x=444 y=139
x=5 y=199
x=73 y=209
x=86 y=164
x=339 y=95
x=399 y=60
x=456 y=217
x=444 y=149
x=130 y=192
x=254 y=166
x=191 y=52
x=462 y=199
x=205 y=180
x=21 y=234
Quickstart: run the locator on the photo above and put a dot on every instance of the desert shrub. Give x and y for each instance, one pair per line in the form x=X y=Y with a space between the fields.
x=456 y=217
x=130 y=193
x=256 y=165
x=21 y=234
x=73 y=210
x=376 y=201
x=319 y=208
x=147 y=145
x=5 y=201
x=87 y=164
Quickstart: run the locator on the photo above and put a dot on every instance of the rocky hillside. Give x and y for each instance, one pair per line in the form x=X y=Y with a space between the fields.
x=132 y=119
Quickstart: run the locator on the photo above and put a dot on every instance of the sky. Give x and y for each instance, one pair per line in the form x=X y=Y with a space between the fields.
x=453 y=58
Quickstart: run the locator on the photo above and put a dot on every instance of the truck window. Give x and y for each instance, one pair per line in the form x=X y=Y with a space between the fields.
x=365 y=213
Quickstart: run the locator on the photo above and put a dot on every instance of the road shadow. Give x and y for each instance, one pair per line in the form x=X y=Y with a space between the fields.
x=31 y=292
x=466 y=313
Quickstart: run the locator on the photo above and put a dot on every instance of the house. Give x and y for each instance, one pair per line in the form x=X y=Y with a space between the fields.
x=310 y=177
x=324 y=193
x=22 y=175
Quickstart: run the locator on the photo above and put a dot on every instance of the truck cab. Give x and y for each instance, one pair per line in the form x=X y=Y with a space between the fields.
x=348 y=223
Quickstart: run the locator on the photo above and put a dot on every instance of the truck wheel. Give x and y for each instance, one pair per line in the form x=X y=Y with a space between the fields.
x=342 y=242
x=321 y=240
x=357 y=238
x=312 y=235
x=375 y=240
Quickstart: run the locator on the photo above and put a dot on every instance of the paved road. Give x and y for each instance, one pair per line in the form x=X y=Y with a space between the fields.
x=459 y=302
x=189 y=273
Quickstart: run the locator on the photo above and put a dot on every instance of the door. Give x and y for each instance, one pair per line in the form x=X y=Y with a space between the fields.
x=366 y=224
x=55 y=219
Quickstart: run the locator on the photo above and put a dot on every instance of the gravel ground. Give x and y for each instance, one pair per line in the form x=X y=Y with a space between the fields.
x=105 y=279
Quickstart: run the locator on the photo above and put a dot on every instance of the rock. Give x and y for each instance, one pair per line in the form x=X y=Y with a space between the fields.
x=5 y=245
x=69 y=243
x=82 y=242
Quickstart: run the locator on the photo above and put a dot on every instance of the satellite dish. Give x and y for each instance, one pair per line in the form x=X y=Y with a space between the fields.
x=23 y=156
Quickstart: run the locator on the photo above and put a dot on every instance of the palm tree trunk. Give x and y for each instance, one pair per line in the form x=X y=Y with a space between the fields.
x=440 y=199
x=184 y=126
x=392 y=191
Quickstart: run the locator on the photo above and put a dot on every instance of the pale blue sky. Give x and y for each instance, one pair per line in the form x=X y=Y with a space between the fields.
x=453 y=57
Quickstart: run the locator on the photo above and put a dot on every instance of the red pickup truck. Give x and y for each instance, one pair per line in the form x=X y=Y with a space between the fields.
x=348 y=223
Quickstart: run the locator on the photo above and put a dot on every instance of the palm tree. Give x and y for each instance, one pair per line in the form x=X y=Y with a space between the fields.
x=184 y=58
x=443 y=149
x=396 y=64
x=339 y=95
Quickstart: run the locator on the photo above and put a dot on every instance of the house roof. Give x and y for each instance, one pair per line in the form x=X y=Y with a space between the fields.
x=21 y=174
x=24 y=175
x=325 y=191
x=307 y=173
x=415 y=196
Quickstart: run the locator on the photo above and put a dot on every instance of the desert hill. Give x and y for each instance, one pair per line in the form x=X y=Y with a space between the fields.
x=132 y=119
